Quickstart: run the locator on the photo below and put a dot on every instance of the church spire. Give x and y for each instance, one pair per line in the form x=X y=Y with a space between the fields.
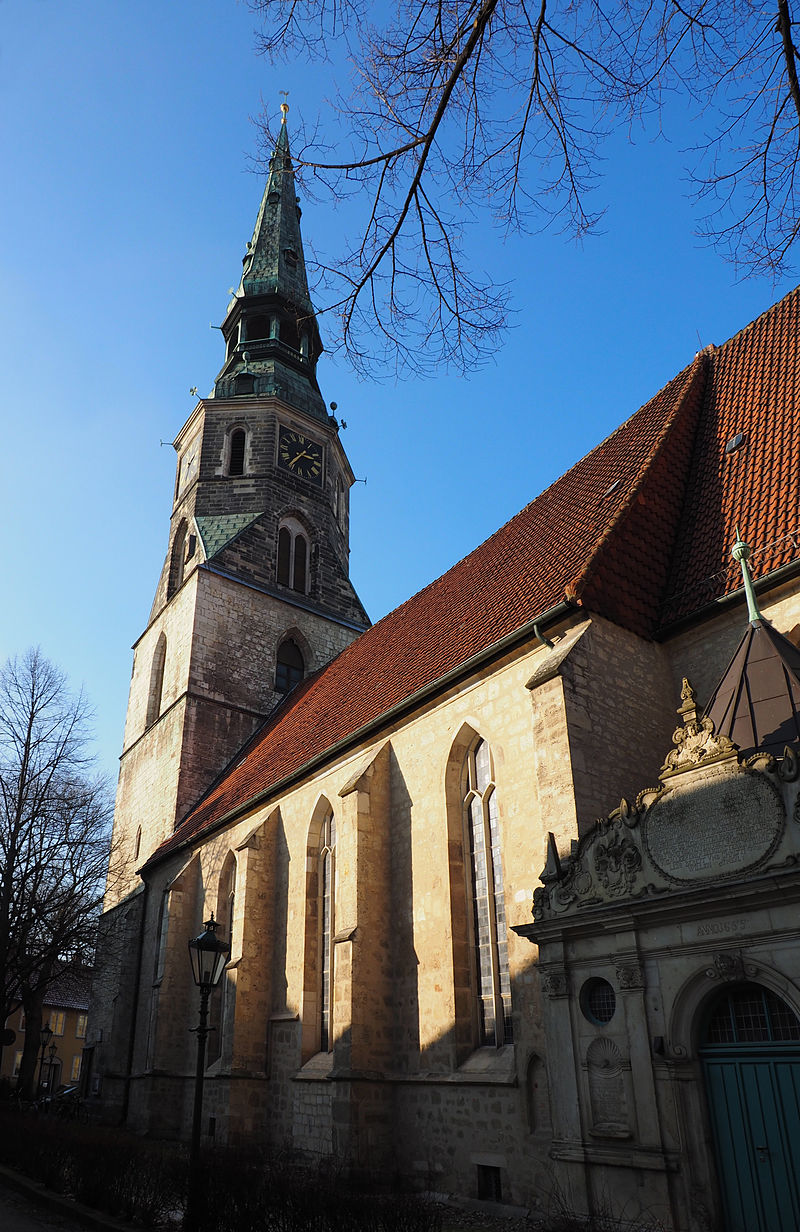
x=270 y=329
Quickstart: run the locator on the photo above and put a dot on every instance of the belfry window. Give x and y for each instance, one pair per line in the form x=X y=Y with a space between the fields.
x=290 y=668
x=293 y=556
x=258 y=327
x=237 y=443
x=489 y=938
x=327 y=874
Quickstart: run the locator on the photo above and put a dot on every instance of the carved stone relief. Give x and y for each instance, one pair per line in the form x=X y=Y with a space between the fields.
x=728 y=965
x=711 y=817
x=695 y=742
x=720 y=826
x=554 y=983
x=607 y=1098
x=630 y=975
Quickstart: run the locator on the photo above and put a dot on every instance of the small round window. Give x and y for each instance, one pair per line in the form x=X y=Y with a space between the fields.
x=598 y=1001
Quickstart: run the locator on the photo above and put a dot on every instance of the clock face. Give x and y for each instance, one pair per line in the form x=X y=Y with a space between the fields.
x=189 y=466
x=301 y=456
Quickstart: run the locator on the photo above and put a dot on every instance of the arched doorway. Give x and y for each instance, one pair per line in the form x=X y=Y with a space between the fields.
x=751 y=1064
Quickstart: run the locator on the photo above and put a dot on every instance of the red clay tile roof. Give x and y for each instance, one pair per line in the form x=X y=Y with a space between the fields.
x=650 y=512
x=753 y=387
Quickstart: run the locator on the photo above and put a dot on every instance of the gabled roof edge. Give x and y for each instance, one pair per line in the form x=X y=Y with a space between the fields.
x=697 y=371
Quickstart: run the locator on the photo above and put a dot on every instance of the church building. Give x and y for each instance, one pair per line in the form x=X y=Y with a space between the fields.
x=444 y=970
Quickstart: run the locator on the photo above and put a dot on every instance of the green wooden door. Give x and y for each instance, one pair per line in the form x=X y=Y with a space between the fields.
x=753 y=1087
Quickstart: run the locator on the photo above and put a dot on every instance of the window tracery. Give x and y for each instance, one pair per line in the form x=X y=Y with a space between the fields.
x=489 y=935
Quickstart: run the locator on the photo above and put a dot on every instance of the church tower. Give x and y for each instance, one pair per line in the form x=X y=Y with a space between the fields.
x=254 y=593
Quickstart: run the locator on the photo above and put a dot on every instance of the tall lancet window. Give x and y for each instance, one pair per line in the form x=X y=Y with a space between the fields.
x=156 y=688
x=327 y=875
x=490 y=940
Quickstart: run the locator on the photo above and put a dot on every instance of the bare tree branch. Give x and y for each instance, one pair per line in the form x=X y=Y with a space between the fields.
x=461 y=109
x=54 y=832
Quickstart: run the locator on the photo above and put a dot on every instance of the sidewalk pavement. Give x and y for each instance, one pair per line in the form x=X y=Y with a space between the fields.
x=27 y=1207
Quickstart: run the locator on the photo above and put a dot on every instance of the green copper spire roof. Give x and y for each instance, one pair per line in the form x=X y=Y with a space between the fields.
x=274 y=261
x=270 y=330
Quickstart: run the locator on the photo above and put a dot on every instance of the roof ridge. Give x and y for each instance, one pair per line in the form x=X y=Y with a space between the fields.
x=693 y=371
x=534 y=500
x=755 y=321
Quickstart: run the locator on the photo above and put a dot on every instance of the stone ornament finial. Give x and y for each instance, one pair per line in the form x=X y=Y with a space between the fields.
x=695 y=741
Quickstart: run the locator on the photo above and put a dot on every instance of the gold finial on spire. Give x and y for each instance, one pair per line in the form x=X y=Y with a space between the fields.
x=284 y=106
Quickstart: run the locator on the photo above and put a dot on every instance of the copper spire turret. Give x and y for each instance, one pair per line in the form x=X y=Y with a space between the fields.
x=757 y=701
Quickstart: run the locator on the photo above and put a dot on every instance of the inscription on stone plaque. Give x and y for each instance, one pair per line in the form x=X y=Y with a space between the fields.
x=721 y=928
x=719 y=827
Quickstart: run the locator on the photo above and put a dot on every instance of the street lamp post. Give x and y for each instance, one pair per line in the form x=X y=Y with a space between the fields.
x=45 y=1036
x=52 y=1050
x=208 y=955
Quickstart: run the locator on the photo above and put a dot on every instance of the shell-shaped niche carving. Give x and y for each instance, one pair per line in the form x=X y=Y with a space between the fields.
x=607 y=1097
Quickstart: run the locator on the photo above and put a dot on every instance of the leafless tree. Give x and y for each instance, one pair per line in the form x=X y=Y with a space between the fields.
x=54 y=837
x=459 y=107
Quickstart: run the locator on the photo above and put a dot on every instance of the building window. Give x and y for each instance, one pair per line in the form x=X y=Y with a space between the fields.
x=290 y=667
x=489 y=939
x=222 y=1008
x=751 y=1014
x=598 y=1001
x=293 y=556
x=236 y=446
x=22 y=1020
x=75 y=1069
x=137 y=846
x=17 y=1064
x=258 y=327
x=154 y=694
x=340 y=503
x=490 y=1187
x=177 y=560
x=327 y=894
x=57 y=1022
x=80 y=1028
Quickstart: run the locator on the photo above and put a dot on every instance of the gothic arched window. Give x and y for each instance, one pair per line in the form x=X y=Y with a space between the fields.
x=489 y=937
x=156 y=687
x=327 y=911
x=290 y=668
x=222 y=1008
x=177 y=560
x=293 y=556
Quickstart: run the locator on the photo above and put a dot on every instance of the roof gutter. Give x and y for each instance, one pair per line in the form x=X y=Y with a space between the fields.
x=783 y=573
x=531 y=629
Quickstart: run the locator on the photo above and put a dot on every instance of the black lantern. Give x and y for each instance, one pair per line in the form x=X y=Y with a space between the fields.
x=208 y=955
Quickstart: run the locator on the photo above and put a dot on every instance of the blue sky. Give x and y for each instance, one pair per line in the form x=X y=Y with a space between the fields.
x=128 y=197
